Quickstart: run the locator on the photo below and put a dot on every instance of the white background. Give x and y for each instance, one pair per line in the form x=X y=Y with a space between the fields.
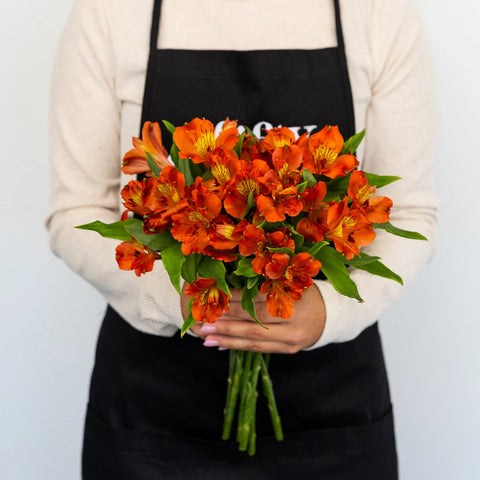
x=50 y=318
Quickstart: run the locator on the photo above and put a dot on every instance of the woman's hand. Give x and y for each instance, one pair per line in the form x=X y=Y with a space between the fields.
x=237 y=330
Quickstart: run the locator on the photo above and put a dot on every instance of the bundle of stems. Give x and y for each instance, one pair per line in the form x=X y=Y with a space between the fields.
x=242 y=393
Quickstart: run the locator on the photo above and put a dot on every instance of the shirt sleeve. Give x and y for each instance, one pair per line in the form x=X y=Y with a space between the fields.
x=399 y=141
x=85 y=173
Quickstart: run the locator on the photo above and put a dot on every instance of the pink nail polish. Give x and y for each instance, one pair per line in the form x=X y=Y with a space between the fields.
x=208 y=328
x=211 y=343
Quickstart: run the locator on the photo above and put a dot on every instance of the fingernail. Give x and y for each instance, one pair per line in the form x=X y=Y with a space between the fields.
x=208 y=328
x=221 y=349
x=211 y=343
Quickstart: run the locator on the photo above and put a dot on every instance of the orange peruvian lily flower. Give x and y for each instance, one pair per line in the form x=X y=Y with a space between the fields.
x=244 y=182
x=192 y=225
x=196 y=140
x=287 y=278
x=224 y=164
x=280 y=297
x=135 y=256
x=133 y=194
x=210 y=302
x=281 y=201
x=313 y=226
x=303 y=267
x=165 y=196
x=349 y=229
x=321 y=153
x=278 y=137
x=135 y=160
x=287 y=161
x=376 y=208
x=263 y=256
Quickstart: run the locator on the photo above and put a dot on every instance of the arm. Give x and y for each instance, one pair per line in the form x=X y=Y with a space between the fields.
x=85 y=162
x=399 y=141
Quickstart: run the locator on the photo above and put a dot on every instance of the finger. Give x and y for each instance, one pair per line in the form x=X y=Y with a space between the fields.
x=250 y=330
x=238 y=343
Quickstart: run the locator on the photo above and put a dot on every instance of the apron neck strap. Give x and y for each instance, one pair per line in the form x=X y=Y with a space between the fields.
x=157 y=6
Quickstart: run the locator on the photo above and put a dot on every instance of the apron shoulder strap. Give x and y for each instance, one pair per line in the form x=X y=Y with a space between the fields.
x=157 y=6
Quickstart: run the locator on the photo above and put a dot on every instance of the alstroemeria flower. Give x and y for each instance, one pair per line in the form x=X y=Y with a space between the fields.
x=280 y=297
x=302 y=268
x=287 y=279
x=321 y=153
x=192 y=225
x=210 y=302
x=133 y=194
x=376 y=208
x=244 y=182
x=313 y=226
x=135 y=256
x=287 y=160
x=278 y=137
x=135 y=160
x=349 y=229
x=196 y=140
x=282 y=200
x=165 y=196
x=263 y=256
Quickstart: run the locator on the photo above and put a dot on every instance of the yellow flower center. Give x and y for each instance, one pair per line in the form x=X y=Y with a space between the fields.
x=346 y=223
x=324 y=156
x=365 y=193
x=281 y=141
x=246 y=186
x=205 y=143
x=197 y=217
x=221 y=173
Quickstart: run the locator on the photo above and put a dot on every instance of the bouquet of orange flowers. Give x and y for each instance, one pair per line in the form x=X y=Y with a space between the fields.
x=261 y=215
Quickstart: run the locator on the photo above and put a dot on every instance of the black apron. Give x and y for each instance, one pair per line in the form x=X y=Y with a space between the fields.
x=155 y=405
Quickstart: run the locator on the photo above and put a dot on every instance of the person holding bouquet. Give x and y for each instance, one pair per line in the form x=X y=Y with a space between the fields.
x=155 y=398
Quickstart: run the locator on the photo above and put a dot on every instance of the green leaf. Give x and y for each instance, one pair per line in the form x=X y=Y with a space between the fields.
x=379 y=269
x=235 y=281
x=155 y=241
x=170 y=127
x=211 y=268
x=351 y=145
x=399 y=232
x=381 y=180
x=337 y=188
x=302 y=186
x=238 y=146
x=359 y=261
x=298 y=239
x=108 y=230
x=184 y=167
x=313 y=250
x=152 y=165
x=174 y=156
x=252 y=282
x=250 y=203
x=173 y=260
x=308 y=177
x=189 y=321
x=190 y=267
x=244 y=268
x=286 y=250
x=248 y=303
x=335 y=270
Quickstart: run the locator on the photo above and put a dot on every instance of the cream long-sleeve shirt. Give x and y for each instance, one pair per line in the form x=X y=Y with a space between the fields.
x=96 y=100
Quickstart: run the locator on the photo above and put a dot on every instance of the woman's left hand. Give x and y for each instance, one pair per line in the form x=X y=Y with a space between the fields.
x=237 y=330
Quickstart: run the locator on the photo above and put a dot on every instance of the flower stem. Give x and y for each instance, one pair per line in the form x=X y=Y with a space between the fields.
x=251 y=402
x=272 y=405
x=248 y=356
x=236 y=364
